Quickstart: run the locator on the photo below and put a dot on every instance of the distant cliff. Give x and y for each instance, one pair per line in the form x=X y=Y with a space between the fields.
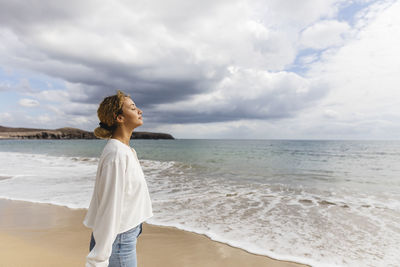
x=67 y=133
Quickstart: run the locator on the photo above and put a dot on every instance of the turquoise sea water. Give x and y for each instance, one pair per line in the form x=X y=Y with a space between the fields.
x=326 y=203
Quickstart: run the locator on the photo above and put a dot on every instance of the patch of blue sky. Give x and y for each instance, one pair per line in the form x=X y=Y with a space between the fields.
x=9 y=103
x=15 y=83
x=8 y=77
x=349 y=9
x=32 y=111
x=8 y=100
x=37 y=82
x=42 y=82
x=304 y=58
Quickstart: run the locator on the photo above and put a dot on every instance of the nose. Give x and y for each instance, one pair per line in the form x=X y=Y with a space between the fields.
x=140 y=111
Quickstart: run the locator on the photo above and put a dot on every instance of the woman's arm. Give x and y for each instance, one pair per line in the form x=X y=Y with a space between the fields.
x=110 y=195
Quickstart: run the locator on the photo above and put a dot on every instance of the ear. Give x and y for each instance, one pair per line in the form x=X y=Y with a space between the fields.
x=120 y=118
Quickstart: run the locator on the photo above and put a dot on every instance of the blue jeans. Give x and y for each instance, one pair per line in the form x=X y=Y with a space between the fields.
x=123 y=249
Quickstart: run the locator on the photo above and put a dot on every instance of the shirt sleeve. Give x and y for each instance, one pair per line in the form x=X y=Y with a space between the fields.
x=110 y=198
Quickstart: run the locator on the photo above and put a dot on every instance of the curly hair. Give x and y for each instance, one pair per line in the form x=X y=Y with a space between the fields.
x=107 y=112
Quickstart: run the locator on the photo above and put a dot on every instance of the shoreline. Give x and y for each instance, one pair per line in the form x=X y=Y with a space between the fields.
x=36 y=234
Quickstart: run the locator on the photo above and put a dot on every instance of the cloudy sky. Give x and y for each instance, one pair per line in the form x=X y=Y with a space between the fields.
x=268 y=69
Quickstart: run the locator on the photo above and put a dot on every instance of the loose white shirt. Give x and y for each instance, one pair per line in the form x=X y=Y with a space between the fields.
x=120 y=199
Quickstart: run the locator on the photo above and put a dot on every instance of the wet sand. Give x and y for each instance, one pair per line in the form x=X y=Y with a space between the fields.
x=43 y=235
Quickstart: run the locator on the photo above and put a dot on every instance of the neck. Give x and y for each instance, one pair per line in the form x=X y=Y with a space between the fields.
x=123 y=135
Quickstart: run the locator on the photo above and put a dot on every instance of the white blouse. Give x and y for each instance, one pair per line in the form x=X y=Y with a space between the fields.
x=120 y=199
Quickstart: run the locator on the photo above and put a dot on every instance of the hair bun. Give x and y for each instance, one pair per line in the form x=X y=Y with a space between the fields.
x=105 y=126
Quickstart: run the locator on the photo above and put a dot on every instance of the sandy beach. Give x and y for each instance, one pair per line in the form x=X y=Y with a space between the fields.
x=47 y=235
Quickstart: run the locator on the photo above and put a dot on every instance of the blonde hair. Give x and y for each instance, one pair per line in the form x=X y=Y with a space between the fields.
x=107 y=112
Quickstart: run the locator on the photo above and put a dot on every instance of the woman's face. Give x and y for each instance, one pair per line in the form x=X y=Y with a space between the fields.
x=131 y=113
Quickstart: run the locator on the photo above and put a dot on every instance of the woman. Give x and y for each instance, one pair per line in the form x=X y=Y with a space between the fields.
x=120 y=201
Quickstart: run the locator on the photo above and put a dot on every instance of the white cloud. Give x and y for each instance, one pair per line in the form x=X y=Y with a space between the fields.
x=324 y=34
x=294 y=13
x=364 y=99
x=366 y=68
x=5 y=117
x=26 y=102
x=329 y=113
x=80 y=120
x=44 y=119
x=51 y=95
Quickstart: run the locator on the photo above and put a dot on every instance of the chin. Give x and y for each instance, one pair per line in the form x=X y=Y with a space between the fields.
x=137 y=125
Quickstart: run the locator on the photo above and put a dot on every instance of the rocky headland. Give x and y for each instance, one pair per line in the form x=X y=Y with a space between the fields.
x=67 y=133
